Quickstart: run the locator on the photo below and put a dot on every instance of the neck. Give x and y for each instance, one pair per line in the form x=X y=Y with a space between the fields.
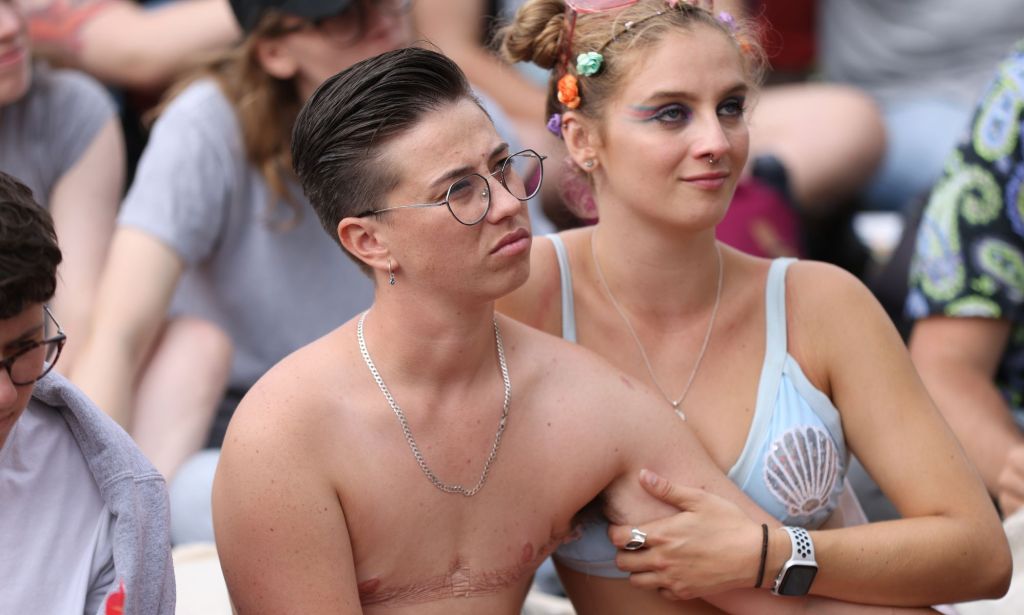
x=429 y=339
x=657 y=274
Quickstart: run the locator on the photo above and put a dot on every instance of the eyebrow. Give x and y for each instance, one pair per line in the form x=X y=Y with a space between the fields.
x=21 y=340
x=739 y=88
x=464 y=170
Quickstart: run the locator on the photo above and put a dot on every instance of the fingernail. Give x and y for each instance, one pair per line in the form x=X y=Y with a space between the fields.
x=649 y=477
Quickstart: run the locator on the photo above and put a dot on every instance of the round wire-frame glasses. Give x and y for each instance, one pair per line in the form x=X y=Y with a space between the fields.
x=469 y=198
x=24 y=366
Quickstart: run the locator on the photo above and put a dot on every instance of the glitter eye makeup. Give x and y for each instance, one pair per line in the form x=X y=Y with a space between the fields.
x=668 y=114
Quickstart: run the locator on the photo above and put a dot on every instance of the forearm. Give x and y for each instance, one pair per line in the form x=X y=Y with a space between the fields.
x=106 y=371
x=908 y=562
x=978 y=415
x=520 y=98
x=147 y=48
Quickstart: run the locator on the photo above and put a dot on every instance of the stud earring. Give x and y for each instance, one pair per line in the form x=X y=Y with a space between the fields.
x=589 y=163
x=391 y=273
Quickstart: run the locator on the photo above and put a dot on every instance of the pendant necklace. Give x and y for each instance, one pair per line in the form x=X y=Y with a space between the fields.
x=636 y=338
x=437 y=482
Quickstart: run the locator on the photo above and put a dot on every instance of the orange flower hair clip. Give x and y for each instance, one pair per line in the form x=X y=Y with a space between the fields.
x=569 y=91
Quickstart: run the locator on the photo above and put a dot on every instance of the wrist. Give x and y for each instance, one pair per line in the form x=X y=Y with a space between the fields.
x=779 y=550
x=798 y=571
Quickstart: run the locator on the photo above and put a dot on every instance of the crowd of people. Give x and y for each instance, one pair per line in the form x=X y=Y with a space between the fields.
x=428 y=307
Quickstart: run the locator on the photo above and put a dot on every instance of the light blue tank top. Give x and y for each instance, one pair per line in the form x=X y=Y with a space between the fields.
x=794 y=461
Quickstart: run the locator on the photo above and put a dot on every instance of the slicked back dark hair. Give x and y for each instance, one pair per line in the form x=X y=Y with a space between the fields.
x=28 y=249
x=340 y=132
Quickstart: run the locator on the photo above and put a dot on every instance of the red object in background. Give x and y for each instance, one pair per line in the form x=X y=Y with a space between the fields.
x=760 y=222
x=789 y=27
x=115 y=601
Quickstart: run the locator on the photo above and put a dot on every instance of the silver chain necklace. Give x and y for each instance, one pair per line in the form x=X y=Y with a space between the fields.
x=636 y=338
x=437 y=482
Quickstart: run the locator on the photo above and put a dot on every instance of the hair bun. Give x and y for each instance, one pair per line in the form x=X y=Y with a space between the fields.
x=535 y=34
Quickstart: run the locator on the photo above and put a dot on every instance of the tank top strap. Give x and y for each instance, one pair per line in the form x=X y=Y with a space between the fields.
x=568 y=306
x=775 y=308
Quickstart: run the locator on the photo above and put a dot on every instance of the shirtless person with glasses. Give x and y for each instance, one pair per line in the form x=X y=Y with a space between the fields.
x=427 y=455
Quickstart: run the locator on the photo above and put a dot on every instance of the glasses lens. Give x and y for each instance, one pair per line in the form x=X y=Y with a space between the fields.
x=469 y=198
x=32 y=364
x=522 y=174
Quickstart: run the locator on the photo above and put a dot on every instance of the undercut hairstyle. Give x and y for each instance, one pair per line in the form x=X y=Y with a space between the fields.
x=337 y=144
x=28 y=249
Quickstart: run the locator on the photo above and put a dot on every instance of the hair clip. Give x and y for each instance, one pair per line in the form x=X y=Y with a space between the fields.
x=589 y=63
x=555 y=124
x=569 y=91
x=728 y=20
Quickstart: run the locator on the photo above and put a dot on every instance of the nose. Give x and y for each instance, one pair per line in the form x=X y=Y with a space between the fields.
x=8 y=392
x=387 y=15
x=503 y=204
x=713 y=140
x=11 y=23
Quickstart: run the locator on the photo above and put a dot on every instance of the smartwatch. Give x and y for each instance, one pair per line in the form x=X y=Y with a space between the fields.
x=798 y=572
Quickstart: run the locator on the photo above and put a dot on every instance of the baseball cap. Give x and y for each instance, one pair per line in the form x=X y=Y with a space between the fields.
x=249 y=12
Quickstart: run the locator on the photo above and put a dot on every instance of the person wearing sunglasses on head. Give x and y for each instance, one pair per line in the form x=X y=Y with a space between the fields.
x=84 y=514
x=217 y=268
x=782 y=368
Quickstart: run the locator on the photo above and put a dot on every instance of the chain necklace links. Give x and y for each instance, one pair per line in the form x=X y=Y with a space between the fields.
x=437 y=482
x=636 y=338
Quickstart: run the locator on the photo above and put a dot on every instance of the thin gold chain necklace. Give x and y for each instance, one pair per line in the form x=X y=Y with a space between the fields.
x=636 y=338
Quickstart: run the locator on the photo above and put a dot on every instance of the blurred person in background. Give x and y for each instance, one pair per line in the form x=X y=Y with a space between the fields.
x=59 y=133
x=216 y=245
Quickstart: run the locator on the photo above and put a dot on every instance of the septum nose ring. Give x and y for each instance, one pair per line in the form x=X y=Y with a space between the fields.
x=711 y=160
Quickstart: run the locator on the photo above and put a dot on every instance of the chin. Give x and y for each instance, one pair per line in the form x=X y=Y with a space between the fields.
x=14 y=86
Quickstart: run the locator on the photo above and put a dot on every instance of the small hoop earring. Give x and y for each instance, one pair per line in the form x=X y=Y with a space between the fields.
x=391 y=273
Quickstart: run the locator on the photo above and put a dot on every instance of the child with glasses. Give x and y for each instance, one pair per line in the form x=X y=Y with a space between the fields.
x=84 y=513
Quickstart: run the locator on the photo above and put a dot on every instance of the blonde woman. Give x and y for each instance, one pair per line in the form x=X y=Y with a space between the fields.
x=782 y=369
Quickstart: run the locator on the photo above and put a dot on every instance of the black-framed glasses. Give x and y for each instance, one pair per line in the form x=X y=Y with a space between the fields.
x=469 y=198
x=350 y=25
x=34 y=360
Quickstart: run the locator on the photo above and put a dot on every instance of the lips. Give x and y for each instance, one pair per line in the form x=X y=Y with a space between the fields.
x=515 y=236
x=708 y=181
x=707 y=176
x=13 y=55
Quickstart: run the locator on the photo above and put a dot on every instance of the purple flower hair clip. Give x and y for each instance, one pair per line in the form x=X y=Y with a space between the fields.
x=555 y=124
x=728 y=20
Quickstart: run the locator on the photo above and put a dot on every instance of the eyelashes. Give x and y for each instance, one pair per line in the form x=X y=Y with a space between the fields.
x=676 y=114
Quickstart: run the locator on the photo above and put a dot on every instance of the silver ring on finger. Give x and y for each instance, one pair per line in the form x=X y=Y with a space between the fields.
x=637 y=540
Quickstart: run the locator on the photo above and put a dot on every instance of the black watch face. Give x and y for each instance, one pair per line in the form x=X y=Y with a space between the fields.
x=797 y=581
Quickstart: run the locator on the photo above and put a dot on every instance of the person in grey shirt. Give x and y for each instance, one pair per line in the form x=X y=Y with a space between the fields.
x=60 y=135
x=98 y=527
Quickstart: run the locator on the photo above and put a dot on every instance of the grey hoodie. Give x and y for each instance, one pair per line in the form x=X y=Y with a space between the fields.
x=133 y=491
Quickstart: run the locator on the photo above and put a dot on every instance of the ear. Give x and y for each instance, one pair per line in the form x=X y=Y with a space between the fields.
x=366 y=240
x=581 y=138
x=275 y=56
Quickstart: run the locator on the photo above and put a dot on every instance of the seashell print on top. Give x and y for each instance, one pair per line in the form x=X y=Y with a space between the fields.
x=801 y=469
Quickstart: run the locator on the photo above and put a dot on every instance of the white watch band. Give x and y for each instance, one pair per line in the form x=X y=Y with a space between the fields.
x=801 y=555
